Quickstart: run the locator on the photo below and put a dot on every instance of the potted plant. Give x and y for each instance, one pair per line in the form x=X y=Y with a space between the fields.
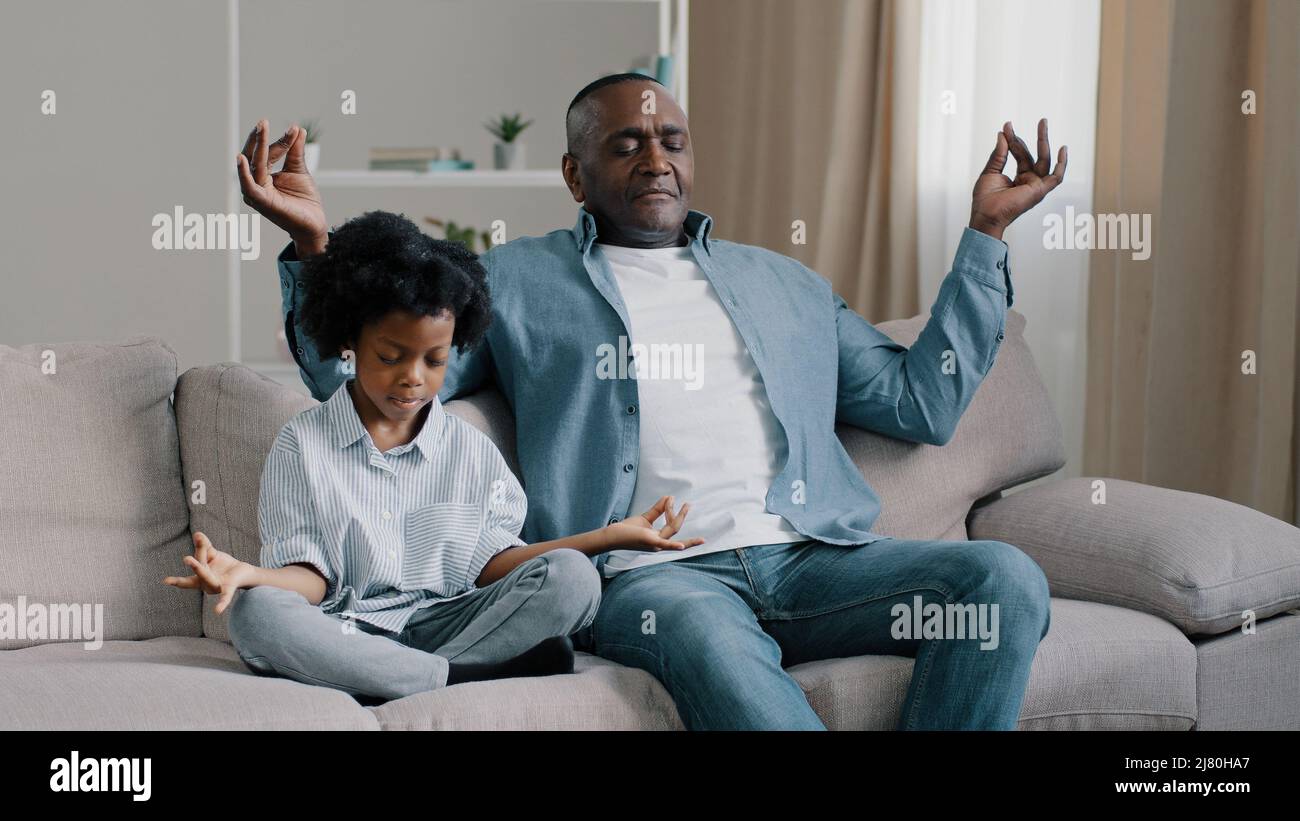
x=508 y=154
x=464 y=235
x=313 y=129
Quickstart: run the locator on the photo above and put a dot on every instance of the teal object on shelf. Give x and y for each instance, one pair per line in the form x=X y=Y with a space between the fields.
x=664 y=70
x=662 y=73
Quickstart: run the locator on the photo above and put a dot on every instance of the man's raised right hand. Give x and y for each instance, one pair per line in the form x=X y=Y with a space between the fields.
x=288 y=198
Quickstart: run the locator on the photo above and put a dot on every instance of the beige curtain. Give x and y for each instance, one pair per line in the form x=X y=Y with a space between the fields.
x=807 y=111
x=1168 y=403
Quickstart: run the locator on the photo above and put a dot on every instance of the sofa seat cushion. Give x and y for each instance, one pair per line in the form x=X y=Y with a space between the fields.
x=168 y=683
x=1099 y=667
x=599 y=695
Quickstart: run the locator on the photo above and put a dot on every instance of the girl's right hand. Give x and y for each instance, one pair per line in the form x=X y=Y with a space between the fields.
x=216 y=572
x=288 y=198
x=640 y=533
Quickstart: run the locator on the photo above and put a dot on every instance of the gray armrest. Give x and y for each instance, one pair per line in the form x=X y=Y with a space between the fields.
x=1194 y=560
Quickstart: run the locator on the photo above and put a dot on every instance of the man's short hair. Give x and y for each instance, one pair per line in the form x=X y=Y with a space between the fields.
x=575 y=126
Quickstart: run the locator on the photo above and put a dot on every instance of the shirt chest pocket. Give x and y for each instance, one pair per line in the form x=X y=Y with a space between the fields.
x=439 y=541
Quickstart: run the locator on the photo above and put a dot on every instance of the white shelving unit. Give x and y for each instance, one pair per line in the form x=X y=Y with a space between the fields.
x=673 y=38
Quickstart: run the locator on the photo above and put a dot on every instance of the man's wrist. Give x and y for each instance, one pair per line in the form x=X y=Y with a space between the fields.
x=310 y=246
x=986 y=227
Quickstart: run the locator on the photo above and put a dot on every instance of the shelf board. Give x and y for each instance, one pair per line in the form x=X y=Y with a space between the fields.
x=475 y=178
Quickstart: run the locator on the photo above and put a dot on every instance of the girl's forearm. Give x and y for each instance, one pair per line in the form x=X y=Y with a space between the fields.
x=591 y=543
x=299 y=578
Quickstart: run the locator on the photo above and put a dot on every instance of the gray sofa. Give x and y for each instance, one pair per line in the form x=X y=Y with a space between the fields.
x=110 y=461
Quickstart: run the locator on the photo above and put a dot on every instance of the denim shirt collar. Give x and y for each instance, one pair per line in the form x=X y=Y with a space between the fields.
x=348 y=427
x=697 y=228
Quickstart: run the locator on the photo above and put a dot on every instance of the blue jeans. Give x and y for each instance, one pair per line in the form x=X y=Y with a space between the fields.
x=718 y=629
x=278 y=632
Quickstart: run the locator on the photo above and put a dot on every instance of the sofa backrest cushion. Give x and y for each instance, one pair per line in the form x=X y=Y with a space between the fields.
x=92 y=507
x=228 y=416
x=1008 y=435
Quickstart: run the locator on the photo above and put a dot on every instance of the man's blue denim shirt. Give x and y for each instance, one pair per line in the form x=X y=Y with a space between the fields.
x=555 y=304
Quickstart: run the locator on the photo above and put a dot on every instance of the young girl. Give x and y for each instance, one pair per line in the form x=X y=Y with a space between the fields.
x=391 y=561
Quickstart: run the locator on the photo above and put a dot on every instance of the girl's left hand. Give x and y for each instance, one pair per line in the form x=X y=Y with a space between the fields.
x=640 y=532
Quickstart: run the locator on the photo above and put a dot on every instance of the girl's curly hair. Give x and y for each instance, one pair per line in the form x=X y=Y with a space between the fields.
x=381 y=262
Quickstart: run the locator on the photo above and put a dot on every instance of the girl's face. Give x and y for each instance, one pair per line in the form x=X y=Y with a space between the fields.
x=403 y=356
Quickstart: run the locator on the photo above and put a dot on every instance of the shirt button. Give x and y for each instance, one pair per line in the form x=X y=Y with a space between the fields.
x=392 y=554
x=613 y=519
x=631 y=409
x=999 y=263
x=627 y=468
x=387 y=515
x=300 y=283
x=1000 y=335
x=299 y=350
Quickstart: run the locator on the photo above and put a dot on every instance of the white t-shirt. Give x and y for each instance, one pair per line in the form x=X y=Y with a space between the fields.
x=708 y=435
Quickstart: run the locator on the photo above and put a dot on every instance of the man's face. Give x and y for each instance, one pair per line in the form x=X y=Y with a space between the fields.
x=402 y=356
x=634 y=169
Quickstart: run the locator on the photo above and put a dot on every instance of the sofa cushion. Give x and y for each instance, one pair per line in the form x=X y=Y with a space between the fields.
x=169 y=683
x=1102 y=667
x=228 y=416
x=599 y=695
x=1099 y=667
x=1195 y=560
x=92 y=508
x=1008 y=435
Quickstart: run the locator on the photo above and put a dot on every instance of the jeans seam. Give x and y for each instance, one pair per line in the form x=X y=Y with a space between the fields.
x=809 y=614
x=749 y=578
x=546 y=563
x=279 y=668
x=663 y=667
x=909 y=721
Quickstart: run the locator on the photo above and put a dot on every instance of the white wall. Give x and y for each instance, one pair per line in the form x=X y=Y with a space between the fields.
x=139 y=128
x=143 y=125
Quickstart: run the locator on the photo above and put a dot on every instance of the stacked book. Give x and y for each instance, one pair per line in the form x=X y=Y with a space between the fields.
x=417 y=159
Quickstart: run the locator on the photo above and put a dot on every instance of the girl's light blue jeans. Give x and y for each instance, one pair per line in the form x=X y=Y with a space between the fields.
x=278 y=632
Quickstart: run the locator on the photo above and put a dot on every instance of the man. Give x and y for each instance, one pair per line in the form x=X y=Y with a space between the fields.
x=789 y=571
